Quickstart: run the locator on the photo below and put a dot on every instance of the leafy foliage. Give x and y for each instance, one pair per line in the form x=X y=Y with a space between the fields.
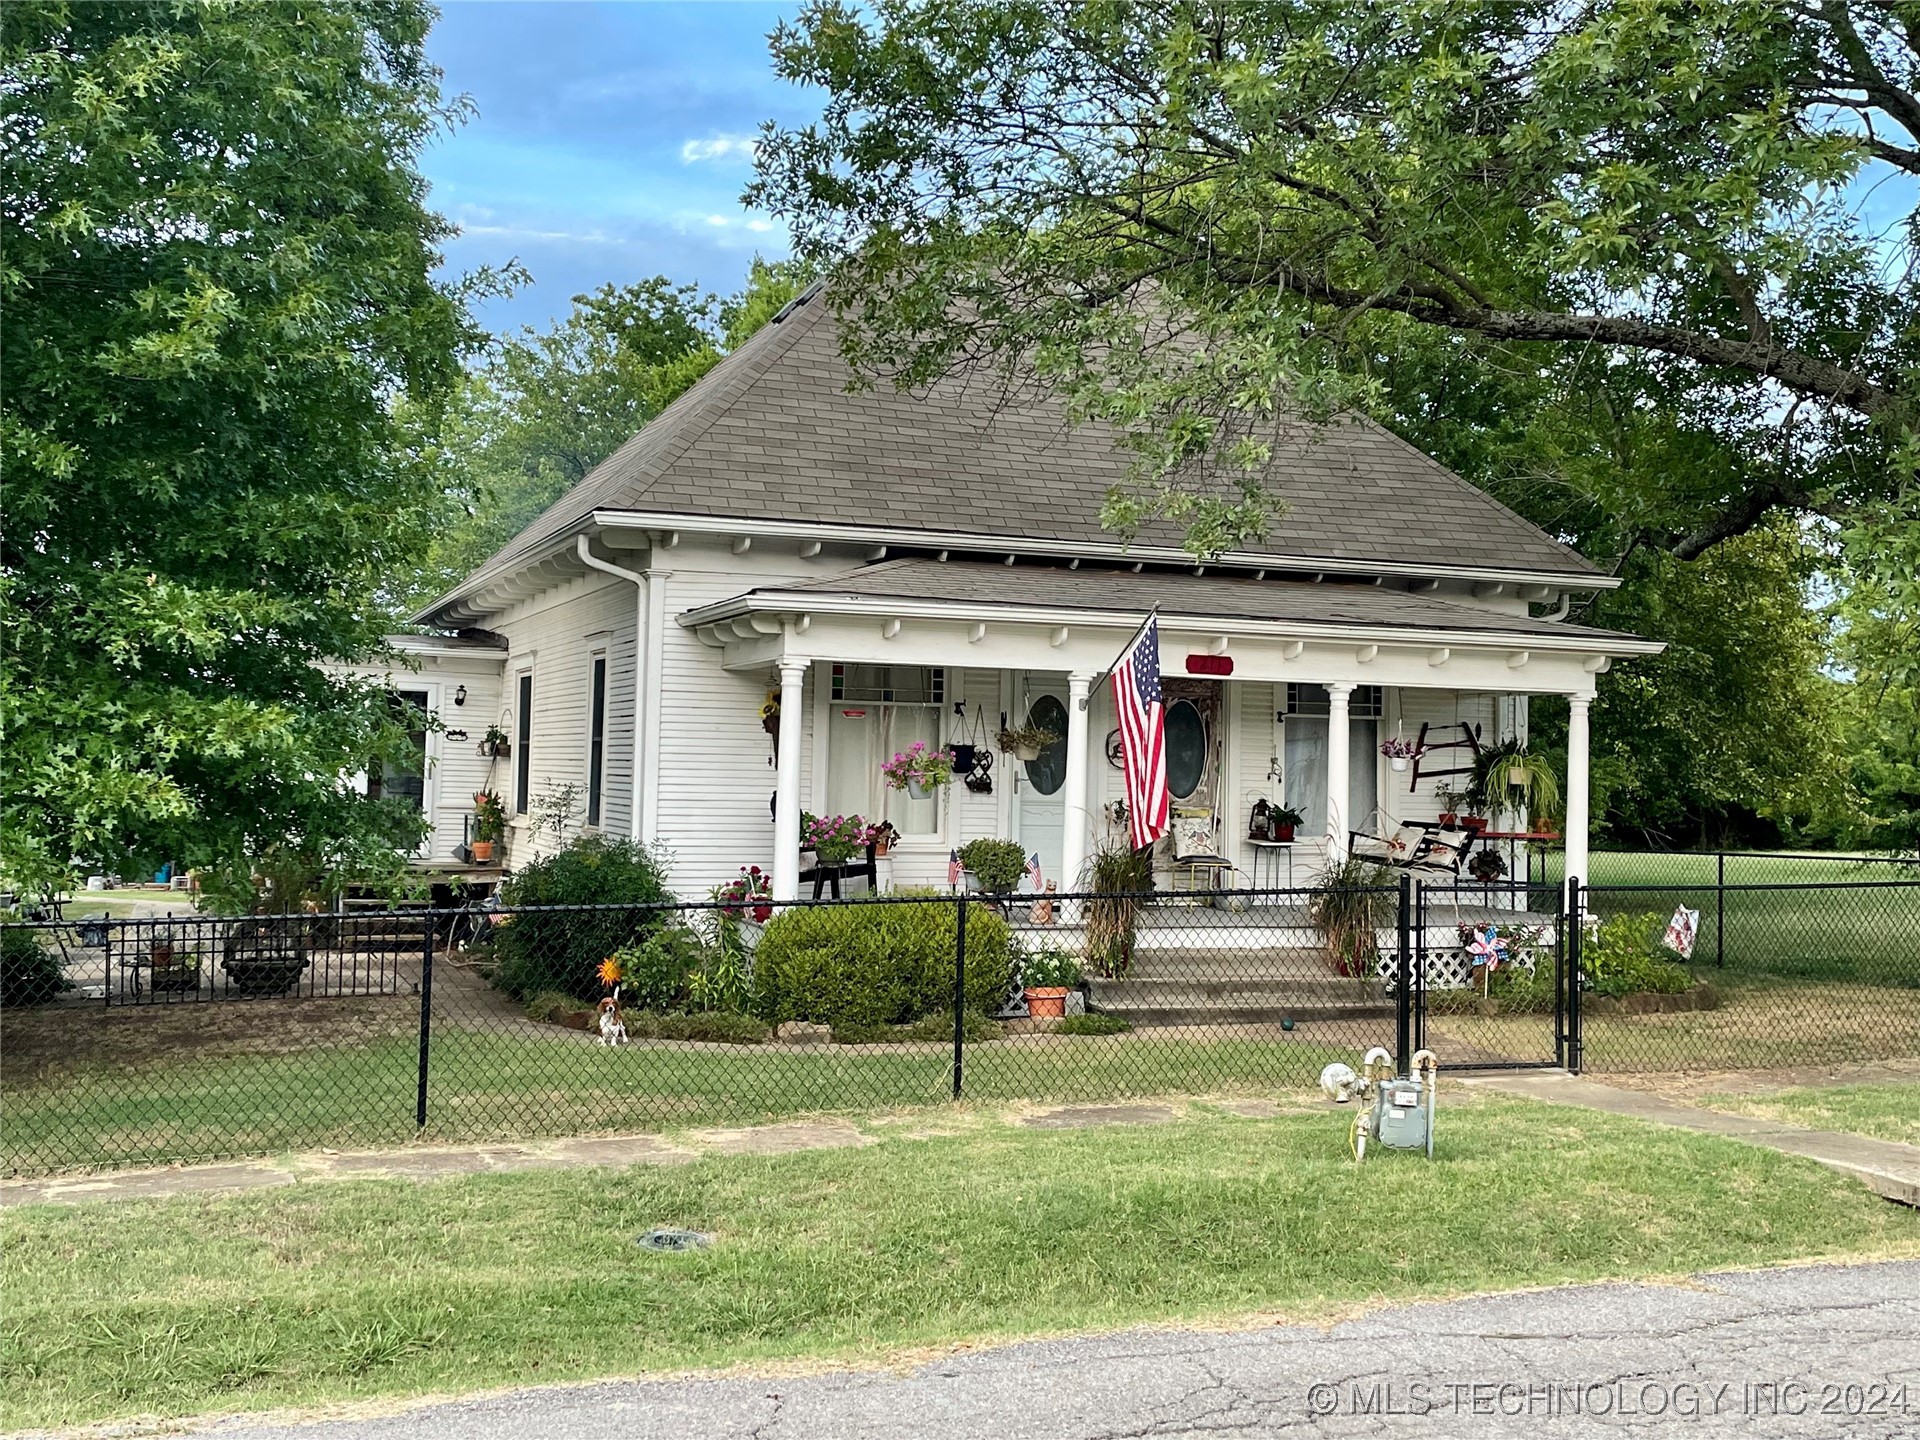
x=1087 y=188
x=562 y=949
x=1878 y=644
x=1622 y=957
x=869 y=965
x=996 y=864
x=218 y=286
x=1048 y=969
x=547 y=406
x=30 y=972
x=654 y=972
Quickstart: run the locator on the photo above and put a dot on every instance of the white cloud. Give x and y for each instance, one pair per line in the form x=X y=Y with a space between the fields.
x=718 y=220
x=718 y=147
x=759 y=226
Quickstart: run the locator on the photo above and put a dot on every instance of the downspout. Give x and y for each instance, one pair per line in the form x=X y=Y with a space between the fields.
x=594 y=562
x=1559 y=612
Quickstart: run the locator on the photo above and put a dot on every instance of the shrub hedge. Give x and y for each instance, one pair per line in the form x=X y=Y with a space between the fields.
x=29 y=970
x=862 y=966
x=562 y=950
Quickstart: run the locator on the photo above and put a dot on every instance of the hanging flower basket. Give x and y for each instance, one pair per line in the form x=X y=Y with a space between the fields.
x=1026 y=741
x=1399 y=752
x=919 y=770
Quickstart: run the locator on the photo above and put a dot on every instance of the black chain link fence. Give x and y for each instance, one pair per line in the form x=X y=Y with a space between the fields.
x=190 y=1038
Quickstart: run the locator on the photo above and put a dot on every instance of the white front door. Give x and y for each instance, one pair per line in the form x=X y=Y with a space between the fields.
x=1039 y=786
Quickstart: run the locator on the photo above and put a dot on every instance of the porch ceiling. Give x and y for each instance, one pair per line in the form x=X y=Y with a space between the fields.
x=930 y=612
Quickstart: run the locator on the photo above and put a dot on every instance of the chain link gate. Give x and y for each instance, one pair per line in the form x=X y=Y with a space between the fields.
x=1493 y=975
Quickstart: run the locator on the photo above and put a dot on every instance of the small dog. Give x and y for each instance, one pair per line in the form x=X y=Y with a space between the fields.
x=613 y=1029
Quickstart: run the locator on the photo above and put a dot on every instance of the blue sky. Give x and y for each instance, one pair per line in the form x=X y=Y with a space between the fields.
x=611 y=143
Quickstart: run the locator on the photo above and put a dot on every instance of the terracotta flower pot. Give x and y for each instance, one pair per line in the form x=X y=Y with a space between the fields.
x=482 y=851
x=1283 y=832
x=1048 y=1002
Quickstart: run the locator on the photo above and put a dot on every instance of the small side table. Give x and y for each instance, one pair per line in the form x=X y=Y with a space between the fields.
x=1267 y=854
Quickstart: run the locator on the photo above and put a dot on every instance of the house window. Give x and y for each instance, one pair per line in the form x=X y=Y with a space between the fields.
x=891 y=684
x=1306 y=754
x=523 y=744
x=405 y=780
x=596 y=739
x=861 y=736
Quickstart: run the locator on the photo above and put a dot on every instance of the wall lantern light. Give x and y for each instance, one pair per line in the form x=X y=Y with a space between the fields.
x=460 y=695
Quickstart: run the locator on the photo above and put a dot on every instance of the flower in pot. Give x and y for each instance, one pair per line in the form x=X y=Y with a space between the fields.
x=495 y=745
x=750 y=893
x=1399 y=752
x=770 y=713
x=834 y=839
x=173 y=972
x=1026 y=741
x=883 y=837
x=919 y=770
x=1487 y=866
x=996 y=865
x=1285 y=820
x=489 y=824
x=1451 y=803
x=1046 y=976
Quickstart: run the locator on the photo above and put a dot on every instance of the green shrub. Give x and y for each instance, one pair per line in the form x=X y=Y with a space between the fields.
x=996 y=864
x=29 y=970
x=1092 y=1023
x=1624 y=957
x=562 y=950
x=655 y=972
x=880 y=964
x=713 y=1027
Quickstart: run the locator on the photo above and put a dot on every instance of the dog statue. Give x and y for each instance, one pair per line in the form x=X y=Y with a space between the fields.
x=613 y=1029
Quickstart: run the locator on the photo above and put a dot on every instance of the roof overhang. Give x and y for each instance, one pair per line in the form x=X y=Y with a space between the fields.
x=648 y=523
x=763 y=627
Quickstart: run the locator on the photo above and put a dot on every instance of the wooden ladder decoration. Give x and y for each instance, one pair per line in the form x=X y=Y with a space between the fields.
x=1470 y=741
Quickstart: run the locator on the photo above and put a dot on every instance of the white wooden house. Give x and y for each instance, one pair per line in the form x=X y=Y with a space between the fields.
x=897 y=566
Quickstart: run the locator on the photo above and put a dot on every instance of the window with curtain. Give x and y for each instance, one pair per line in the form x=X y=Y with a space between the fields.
x=860 y=738
x=1307 y=710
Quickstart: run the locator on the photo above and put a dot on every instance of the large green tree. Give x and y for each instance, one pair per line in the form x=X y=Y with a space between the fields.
x=218 y=286
x=1201 y=218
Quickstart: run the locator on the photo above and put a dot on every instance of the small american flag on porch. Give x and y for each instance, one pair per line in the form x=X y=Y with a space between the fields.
x=1143 y=735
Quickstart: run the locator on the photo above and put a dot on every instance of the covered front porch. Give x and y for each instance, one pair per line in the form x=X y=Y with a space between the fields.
x=1276 y=690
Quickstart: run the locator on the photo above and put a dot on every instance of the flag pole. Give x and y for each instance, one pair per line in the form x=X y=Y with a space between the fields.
x=1103 y=676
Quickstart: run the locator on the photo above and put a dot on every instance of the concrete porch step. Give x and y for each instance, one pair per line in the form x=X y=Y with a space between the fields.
x=1241 y=990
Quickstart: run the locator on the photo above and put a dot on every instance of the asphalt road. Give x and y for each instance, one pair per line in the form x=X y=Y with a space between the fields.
x=1828 y=1351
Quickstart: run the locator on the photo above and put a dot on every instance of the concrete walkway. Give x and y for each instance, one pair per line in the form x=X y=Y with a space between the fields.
x=1883 y=1166
x=1813 y=1351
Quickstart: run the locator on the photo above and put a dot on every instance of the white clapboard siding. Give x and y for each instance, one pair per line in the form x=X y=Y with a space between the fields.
x=1444 y=711
x=557 y=635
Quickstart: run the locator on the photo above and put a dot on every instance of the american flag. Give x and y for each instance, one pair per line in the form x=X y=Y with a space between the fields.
x=1033 y=869
x=1143 y=736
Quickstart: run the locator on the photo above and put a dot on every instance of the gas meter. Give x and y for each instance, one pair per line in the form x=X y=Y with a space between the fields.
x=1396 y=1110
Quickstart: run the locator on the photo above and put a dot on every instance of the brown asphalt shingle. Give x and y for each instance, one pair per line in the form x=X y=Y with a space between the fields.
x=773 y=432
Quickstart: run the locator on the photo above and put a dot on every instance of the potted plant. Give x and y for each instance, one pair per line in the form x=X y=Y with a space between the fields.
x=996 y=865
x=1046 y=976
x=919 y=769
x=770 y=713
x=1513 y=778
x=1285 y=820
x=883 y=837
x=835 y=839
x=495 y=745
x=1399 y=752
x=173 y=972
x=1451 y=802
x=1351 y=905
x=489 y=824
x=1486 y=866
x=1026 y=741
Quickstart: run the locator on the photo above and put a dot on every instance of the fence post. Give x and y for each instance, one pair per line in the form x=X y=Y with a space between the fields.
x=959 y=992
x=1720 y=913
x=1403 y=1000
x=426 y=1020
x=1571 y=936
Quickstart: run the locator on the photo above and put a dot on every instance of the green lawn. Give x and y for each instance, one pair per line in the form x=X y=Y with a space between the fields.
x=550 y=1081
x=346 y=1290
x=1884 y=1111
x=119 y=903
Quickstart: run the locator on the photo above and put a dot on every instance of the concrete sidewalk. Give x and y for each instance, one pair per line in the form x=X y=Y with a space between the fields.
x=1813 y=1351
x=1884 y=1166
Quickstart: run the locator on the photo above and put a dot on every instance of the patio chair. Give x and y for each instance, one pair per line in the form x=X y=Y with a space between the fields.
x=824 y=876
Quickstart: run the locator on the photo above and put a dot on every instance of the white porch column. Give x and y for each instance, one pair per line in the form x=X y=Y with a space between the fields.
x=1073 y=843
x=1579 y=741
x=786 y=785
x=1339 y=784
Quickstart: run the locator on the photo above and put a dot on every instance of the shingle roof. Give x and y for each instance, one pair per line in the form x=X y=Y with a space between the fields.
x=773 y=432
x=1209 y=596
